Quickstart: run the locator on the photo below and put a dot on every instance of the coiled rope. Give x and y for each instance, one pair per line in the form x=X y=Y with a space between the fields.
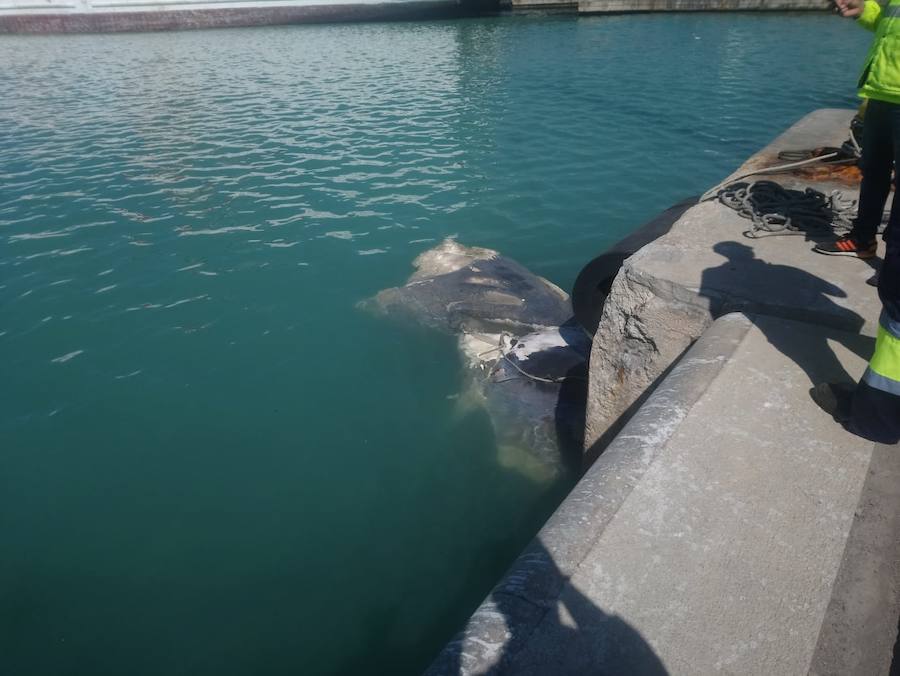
x=776 y=210
x=505 y=346
x=850 y=150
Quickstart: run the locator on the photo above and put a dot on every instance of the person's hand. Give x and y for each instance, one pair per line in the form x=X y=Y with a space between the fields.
x=849 y=8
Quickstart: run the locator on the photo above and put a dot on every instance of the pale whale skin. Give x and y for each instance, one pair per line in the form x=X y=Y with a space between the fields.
x=525 y=356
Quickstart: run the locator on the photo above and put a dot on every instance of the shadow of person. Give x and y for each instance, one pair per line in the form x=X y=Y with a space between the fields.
x=569 y=418
x=743 y=276
x=536 y=622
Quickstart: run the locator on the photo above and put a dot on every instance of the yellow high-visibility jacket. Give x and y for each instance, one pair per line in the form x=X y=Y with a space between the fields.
x=880 y=78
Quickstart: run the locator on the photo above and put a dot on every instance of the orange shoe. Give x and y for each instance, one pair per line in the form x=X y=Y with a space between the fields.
x=847 y=246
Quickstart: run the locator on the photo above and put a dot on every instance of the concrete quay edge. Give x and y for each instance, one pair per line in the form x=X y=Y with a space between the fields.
x=669 y=291
x=637 y=6
x=845 y=560
x=858 y=619
x=538 y=575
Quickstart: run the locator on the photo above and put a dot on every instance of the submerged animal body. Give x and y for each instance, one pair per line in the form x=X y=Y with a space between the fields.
x=525 y=357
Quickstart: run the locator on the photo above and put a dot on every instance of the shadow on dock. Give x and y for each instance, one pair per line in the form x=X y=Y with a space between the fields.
x=816 y=359
x=535 y=622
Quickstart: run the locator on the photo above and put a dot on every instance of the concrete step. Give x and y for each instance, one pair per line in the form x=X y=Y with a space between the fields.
x=731 y=527
x=668 y=293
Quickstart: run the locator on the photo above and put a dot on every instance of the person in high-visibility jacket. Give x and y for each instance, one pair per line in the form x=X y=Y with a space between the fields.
x=872 y=408
x=879 y=85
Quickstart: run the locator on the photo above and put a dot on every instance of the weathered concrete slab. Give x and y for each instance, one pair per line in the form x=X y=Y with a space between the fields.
x=668 y=293
x=726 y=529
x=629 y=6
x=725 y=554
x=862 y=614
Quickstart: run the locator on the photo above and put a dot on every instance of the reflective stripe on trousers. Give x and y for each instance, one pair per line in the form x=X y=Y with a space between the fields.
x=884 y=368
x=876 y=401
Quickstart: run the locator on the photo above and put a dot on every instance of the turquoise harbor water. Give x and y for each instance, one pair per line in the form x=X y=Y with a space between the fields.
x=210 y=461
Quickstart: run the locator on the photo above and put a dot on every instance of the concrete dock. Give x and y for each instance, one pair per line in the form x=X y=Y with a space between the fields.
x=730 y=526
x=113 y=16
x=636 y=6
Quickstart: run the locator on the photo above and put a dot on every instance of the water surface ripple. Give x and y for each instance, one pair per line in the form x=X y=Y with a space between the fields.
x=210 y=461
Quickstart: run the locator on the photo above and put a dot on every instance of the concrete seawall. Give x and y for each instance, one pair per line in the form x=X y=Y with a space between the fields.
x=110 y=16
x=633 y=6
x=667 y=294
x=104 y=16
x=730 y=525
x=627 y=6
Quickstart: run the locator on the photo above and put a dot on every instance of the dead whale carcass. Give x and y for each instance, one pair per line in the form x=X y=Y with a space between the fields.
x=526 y=358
